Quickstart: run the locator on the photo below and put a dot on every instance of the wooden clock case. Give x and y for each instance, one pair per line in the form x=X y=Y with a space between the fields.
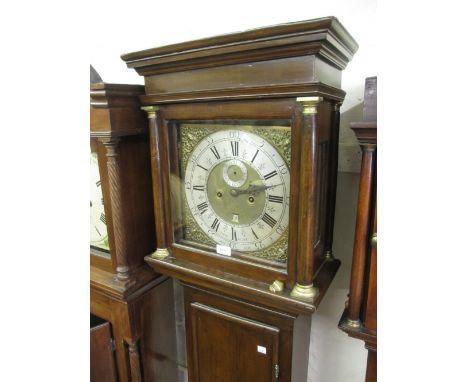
x=125 y=292
x=359 y=319
x=289 y=72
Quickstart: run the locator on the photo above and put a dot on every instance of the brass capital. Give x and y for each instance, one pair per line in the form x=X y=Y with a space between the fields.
x=151 y=110
x=309 y=104
x=277 y=286
x=160 y=253
x=368 y=146
x=304 y=292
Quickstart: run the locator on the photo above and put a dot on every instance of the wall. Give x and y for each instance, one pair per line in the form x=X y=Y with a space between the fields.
x=125 y=27
x=333 y=356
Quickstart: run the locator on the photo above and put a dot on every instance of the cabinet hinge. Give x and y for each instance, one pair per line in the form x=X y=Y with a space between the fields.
x=277 y=372
x=112 y=344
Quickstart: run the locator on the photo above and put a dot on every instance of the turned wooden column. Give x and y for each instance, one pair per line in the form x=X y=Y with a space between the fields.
x=361 y=236
x=304 y=287
x=134 y=358
x=162 y=249
x=332 y=180
x=116 y=199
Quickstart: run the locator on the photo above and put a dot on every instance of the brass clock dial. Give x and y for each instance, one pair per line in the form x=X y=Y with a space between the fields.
x=98 y=226
x=237 y=189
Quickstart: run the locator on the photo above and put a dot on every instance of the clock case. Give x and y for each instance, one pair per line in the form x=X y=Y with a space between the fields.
x=232 y=305
x=359 y=318
x=287 y=72
x=124 y=291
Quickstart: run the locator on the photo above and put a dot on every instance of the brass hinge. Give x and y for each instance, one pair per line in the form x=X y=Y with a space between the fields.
x=112 y=344
x=277 y=372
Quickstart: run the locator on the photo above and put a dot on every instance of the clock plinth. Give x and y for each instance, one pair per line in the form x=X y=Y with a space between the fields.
x=244 y=143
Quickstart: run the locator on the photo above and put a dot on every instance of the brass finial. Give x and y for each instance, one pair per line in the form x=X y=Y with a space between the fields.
x=277 y=286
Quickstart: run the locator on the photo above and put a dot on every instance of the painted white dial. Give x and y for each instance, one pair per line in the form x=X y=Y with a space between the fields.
x=98 y=232
x=237 y=189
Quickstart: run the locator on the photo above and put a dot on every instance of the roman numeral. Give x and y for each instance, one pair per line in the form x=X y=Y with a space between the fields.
x=98 y=183
x=216 y=224
x=271 y=174
x=202 y=167
x=215 y=152
x=254 y=157
x=103 y=218
x=275 y=199
x=199 y=188
x=269 y=220
x=102 y=200
x=203 y=207
x=256 y=237
x=233 y=233
x=235 y=148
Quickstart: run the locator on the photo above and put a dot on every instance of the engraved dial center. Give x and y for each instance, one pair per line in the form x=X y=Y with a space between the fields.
x=233 y=205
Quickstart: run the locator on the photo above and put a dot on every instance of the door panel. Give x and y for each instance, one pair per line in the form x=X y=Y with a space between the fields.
x=230 y=348
x=102 y=358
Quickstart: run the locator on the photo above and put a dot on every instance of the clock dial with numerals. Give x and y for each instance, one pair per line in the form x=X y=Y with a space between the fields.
x=237 y=189
x=98 y=232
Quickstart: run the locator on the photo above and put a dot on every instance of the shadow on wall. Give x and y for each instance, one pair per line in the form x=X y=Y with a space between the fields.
x=349 y=152
x=333 y=356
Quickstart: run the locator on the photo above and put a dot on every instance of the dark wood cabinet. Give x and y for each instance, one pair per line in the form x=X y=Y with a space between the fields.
x=244 y=142
x=135 y=302
x=359 y=319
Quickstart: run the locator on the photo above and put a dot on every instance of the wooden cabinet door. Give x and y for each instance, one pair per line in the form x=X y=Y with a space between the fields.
x=102 y=357
x=229 y=348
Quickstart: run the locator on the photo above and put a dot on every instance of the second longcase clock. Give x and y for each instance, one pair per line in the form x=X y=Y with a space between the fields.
x=125 y=292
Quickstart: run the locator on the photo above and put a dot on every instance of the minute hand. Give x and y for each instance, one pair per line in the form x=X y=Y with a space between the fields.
x=252 y=189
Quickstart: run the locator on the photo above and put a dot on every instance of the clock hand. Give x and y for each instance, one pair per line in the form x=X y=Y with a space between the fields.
x=252 y=189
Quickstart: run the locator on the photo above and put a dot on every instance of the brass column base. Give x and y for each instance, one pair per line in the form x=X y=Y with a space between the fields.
x=160 y=254
x=123 y=273
x=353 y=323
x=329 y=256
x=304 y=292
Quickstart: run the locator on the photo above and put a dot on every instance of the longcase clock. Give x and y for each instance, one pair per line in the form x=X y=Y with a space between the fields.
x=244 y=138
x=359 y=319
x=124 y=289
